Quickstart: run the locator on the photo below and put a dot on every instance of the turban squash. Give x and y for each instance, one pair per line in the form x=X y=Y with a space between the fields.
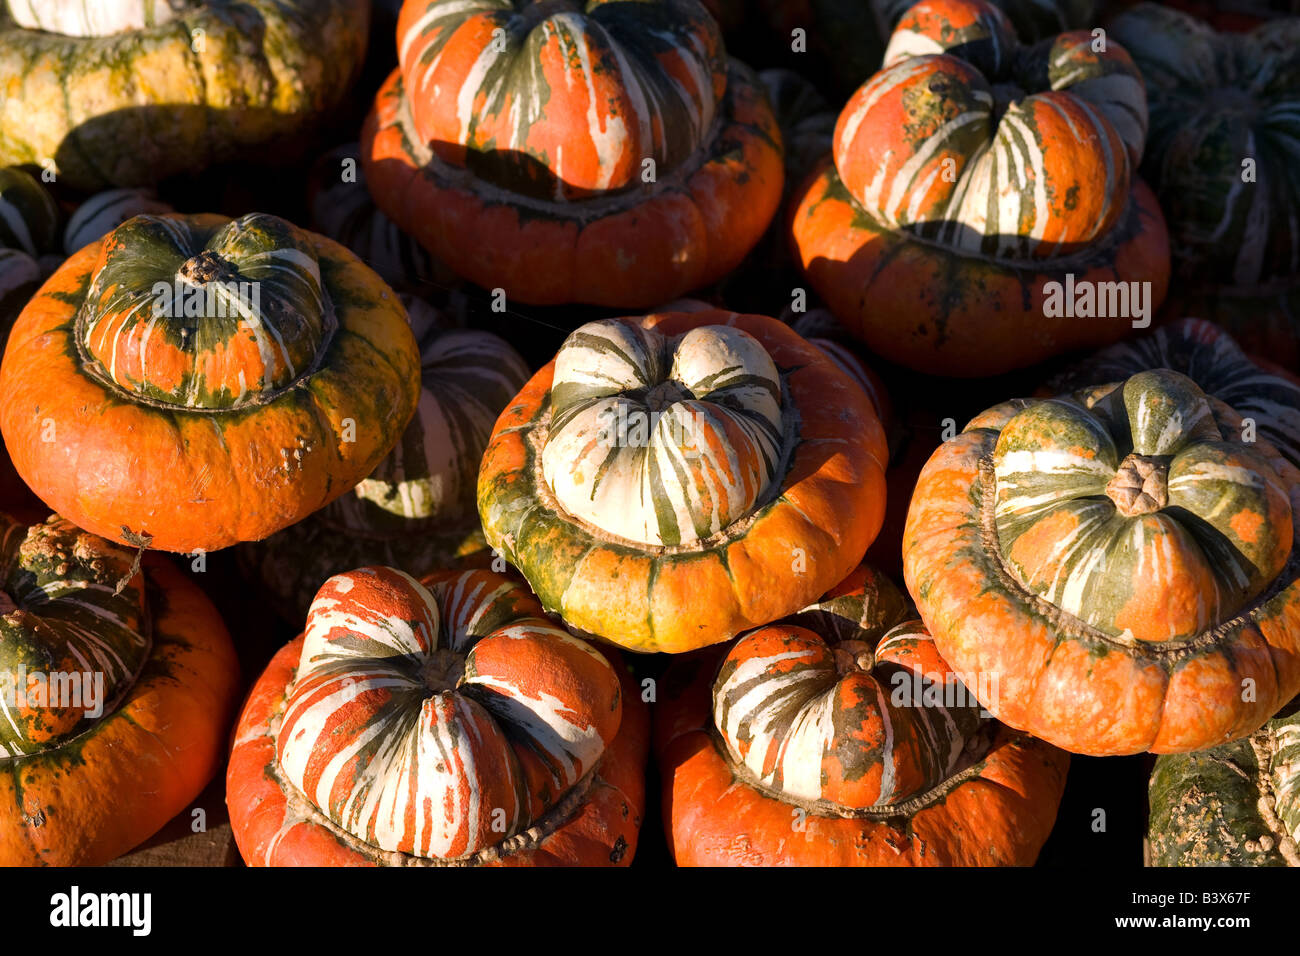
x=1216 y=101
x=670 y=481
x=127 y=92
x=1237 y=804
x=1253 y=387
x=1122 y=558
x=603 y=153
x=839 y=737
x=416 y=510
x=114 y=706
x=438 y=723
x=970 y=174
x=201 y=381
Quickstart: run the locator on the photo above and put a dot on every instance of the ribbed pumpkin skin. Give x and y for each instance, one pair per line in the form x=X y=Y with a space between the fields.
x=814 y=753
x=969 y=173
x=516 y=181
x=723 y=567
x=205 y=441
x=1217 y=100
x=81 y=792
x=1235 y=805
x=1124 y=599
x=417 y=510
x=131 y=108
x=1209 y=357
x=557 y=699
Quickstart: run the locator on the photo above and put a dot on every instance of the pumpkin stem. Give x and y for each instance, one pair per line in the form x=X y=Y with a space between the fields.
x=207 y=266
x=141 y=542
x=1140 y=485
x=853 y=656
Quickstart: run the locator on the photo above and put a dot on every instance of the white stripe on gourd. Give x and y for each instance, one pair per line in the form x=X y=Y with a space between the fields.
x=467 y=377
x=71 y=621
x=95 y=18
x=105 y=211
x=1001 y=186
x=1053 y=464
x=707 y=461
x=383 y=729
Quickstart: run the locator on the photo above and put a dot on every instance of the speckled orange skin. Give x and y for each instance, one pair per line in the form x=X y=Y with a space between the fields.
x=100 y=794
x=930 y=308
x=637 y=252
x=1083 y=691
x=831 y=507
x=192 y=480
x=602 y=831
x=1000 y=817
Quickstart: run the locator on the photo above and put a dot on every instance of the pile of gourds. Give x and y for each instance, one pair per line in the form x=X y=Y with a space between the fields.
x=407 y=353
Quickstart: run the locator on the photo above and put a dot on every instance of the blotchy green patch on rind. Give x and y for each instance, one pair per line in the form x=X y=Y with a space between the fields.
x=132 y=108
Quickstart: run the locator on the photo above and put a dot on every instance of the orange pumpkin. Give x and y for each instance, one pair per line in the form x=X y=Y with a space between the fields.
x=443 y=723
x=81 y=787
x=672 y=480
x=1124 y=557
x=606 y=154
x=839 y=737
x=975 y=186
x=193 y=381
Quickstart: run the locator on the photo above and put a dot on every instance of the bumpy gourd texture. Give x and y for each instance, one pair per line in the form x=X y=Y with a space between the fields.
x=1135 y=548
x=116 y=685
x=124 y=94
x=243 y=374
x=68 y=618
x=1234 y=805
x=436 y=722
x=1218 y=100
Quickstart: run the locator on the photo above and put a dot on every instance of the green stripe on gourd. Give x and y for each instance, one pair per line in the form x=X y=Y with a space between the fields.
x=65 y=628
x=1216 y=363
x=1233 y=805
x=206 y=318
x=29 y=219
x=1107 y=511
x=658 y=440
x=134 y=107
x=993 y=121
x=1218 y=100
x=652 y=50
